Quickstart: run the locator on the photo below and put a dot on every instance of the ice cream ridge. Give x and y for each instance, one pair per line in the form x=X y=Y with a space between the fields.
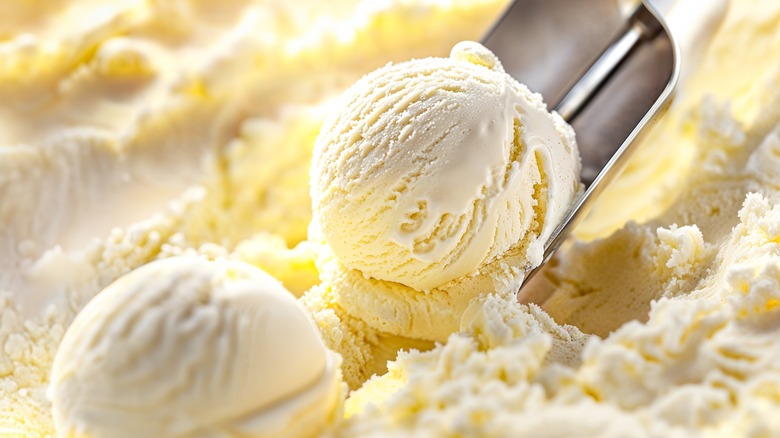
x=434 y=181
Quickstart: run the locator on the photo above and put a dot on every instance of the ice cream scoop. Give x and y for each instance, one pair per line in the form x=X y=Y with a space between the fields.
x=187 y=347
x=431 y=168
x=436 y=180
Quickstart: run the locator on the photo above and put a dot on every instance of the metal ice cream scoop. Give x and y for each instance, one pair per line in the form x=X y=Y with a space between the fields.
x=609 y=73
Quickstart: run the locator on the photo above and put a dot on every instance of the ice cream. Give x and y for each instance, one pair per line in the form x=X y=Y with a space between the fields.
x=684 y=306
x=434 y=181
x=186 y=347
x=135 y=130
x=107 y=112
x=485 y=381
x=435 y=167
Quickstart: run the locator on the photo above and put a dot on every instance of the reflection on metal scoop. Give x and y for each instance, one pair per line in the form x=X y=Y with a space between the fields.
x=610 y=76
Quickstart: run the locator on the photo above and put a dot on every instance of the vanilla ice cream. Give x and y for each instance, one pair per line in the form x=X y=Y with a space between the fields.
x=186 y=347
x=430 y=176
x=133 y=130
x=110 y=111
x=683 y=304
x=432 y=168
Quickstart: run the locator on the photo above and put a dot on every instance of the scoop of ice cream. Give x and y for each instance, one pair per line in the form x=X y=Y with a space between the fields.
x=432 y=168
x=187 y=347
x=441 y=175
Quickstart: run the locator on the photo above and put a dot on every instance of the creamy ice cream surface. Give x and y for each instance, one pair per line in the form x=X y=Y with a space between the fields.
x=187 y=347
x=136 y=130
x=434 y=167
x=437 y=180
x=684 y=306
x=145 y=142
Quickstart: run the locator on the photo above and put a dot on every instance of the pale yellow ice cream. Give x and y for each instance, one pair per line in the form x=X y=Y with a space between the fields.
x=106 y=104
x=187 y=347
x=477 y=384
x=365 y=350
x=685 y=306
x=111 y=109
x=432 y=168
x=434 y=181
x=702 y=364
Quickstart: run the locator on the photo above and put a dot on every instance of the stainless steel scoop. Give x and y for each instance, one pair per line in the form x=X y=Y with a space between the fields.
x=608 y=73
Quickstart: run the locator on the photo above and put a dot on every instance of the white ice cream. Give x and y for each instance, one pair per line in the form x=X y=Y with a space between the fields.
x=432 y=168
x=186 y=347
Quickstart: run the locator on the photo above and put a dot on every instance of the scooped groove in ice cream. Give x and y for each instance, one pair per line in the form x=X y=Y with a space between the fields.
x=186 y=347
x=434 y=170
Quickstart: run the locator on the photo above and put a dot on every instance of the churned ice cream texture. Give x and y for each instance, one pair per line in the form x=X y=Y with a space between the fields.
x=672 y=317
x=683 y=306
x=134 y=131
x=434 y=181
x=187 y=347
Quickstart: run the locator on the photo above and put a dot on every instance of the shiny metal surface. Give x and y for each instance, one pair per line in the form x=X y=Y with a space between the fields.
x=610 y=74
x=577 y=98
